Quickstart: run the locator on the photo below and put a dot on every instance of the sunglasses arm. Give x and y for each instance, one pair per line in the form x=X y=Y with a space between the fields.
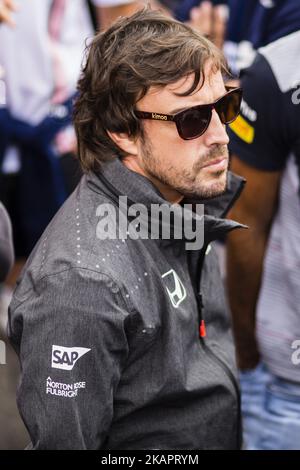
x=154 y=116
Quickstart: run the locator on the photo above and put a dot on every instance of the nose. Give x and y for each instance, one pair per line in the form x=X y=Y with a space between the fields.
x=216 y=132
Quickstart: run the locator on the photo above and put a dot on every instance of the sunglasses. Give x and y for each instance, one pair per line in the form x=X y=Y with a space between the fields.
x=194 y=121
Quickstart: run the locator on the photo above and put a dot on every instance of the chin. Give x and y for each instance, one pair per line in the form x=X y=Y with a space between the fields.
x=215 y=187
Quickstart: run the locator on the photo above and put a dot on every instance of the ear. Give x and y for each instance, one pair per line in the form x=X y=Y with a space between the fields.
x=126 y=143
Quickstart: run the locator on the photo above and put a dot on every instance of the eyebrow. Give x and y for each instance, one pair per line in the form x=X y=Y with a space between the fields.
x=178 y=110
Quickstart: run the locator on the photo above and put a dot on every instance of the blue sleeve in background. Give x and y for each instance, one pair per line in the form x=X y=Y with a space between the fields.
x=262 y=22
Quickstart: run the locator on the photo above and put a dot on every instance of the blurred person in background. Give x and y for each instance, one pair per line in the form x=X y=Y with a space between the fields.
x=210 y=18
x=6 y=255
x=256 y=23
x=264 y=262
x=40 y=58
x=243 y=26
x=7 y=7
x=6 y=244
x=109 y=10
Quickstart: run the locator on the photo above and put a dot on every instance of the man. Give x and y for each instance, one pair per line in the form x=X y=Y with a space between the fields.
x=111 y=330
x=263 y=262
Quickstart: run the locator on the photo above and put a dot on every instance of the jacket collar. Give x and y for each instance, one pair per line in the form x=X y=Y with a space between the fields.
x=115 y=177
x=115 y=180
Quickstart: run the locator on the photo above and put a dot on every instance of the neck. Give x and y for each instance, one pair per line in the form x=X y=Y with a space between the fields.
x=168 y=193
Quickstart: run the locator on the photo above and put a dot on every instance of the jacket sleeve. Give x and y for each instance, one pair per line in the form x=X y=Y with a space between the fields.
x=6 y=244
x=69 y=332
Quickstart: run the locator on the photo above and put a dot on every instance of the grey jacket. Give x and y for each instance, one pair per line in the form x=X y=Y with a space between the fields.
x=111 y=358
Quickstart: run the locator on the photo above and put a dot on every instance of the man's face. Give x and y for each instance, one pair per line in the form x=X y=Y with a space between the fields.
x=194 y=168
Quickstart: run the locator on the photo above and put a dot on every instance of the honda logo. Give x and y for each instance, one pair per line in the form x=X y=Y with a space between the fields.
x=178 y=293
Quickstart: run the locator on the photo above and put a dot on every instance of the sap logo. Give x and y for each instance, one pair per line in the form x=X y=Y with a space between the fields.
x=66 y=358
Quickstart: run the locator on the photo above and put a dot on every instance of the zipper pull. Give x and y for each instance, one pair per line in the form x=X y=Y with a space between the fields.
x=202 y=329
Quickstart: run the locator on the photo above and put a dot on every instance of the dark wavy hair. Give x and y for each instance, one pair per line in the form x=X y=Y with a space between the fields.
x=122 y=63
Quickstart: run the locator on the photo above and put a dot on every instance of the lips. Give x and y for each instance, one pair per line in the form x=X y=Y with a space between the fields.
x=217 y=163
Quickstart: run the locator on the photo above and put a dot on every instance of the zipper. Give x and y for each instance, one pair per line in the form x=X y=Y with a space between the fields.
x=233 y=380
x=199 y=300
x=207 y=349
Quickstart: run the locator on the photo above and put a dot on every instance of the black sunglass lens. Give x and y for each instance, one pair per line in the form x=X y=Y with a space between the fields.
x=193 y=122
x=228 y=107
